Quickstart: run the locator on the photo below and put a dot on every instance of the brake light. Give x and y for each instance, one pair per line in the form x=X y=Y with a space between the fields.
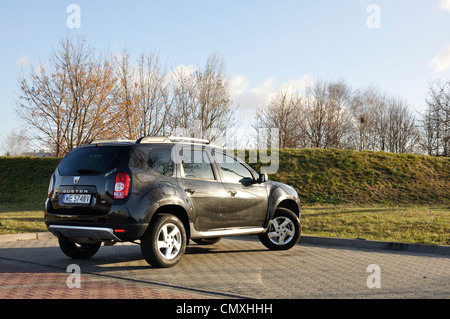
x=122 y=186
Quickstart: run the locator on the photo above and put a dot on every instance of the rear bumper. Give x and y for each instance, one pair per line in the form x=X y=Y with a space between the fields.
x=117 y=225
x=93 y=233
x=104 y=232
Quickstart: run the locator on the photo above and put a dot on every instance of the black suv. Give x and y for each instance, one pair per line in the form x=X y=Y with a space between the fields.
x=164 y=191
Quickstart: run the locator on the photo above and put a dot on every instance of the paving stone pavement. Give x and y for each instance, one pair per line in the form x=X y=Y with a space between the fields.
x=232 y=268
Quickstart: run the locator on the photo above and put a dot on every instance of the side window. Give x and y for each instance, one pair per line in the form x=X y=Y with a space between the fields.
x=196 y=165
x=232 y=170
x=160 y=160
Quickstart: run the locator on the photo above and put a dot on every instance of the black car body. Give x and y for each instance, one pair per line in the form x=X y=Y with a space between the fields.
x=164 y=191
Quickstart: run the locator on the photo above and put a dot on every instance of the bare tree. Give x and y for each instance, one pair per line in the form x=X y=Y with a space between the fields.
x=143 y=96
x=382 y=123
x=184 y=97
x=366 y=107
x=436 y=120
x=325 y=119
x=281 y=113
x=71 y=102
x=402 y=134
x=201 y=100
x=16 y=143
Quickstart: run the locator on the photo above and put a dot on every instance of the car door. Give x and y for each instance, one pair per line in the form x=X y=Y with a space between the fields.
x=201 y=183
x=247 y=201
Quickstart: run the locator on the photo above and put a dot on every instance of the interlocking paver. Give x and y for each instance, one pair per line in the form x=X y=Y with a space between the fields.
x=231 y=268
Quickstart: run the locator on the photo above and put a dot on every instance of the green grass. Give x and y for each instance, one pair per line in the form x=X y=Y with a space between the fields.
x=423 y=225
x=22 y=222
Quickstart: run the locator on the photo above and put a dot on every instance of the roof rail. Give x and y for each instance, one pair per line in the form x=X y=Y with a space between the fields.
x=174 y=139
x=153 y=139
x=102 y=141
x=188 y=139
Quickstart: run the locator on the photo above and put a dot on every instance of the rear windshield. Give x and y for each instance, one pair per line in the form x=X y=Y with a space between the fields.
x=90 y=160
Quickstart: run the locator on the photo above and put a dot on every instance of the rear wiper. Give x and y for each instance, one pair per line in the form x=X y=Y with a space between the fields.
x=87 y=171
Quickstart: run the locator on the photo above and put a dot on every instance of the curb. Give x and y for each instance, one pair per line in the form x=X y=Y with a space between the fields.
x=376 y=245
x=308 y=240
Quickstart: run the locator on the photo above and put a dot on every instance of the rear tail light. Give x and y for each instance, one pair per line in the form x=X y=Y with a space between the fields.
x=122 y=186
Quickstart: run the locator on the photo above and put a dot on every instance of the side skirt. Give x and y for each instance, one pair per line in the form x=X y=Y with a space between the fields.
x=195 y=234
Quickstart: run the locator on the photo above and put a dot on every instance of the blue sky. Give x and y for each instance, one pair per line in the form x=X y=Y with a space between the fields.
x=266 y=44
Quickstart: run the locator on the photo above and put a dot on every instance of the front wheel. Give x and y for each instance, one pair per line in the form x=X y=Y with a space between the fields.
x=284 y=231
x=164 y=242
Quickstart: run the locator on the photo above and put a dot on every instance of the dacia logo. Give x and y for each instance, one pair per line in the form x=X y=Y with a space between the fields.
x=76 y=179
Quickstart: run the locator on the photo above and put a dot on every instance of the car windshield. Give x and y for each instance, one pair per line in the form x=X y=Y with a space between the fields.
x=90 y=160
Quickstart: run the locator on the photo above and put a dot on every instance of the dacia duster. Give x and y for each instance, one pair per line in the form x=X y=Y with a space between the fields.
x=163 y=192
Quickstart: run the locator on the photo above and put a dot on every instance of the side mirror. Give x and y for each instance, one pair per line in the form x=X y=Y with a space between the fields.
x=263 y=178
x=247 y=181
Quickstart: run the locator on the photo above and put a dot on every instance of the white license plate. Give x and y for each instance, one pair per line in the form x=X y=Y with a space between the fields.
x=76 y=199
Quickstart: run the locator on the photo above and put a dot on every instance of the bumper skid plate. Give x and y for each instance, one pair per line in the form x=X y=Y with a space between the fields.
x=96 y=233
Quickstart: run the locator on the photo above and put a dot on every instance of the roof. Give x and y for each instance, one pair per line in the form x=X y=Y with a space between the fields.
x=160 y=139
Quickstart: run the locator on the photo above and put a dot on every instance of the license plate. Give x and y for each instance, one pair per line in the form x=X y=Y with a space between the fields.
x=76 y=199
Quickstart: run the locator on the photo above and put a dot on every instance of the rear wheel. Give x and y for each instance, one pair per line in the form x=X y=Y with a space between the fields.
x=77 y=251
x=164 y=242
x=284 y=231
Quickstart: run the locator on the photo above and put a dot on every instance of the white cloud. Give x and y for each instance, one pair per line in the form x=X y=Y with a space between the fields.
x=184 y=69
x=250 y=98
x=444 y=5
x=442 y=61
x=238 y=85
x=180 y=70
x=23 y=60
x=298 y=85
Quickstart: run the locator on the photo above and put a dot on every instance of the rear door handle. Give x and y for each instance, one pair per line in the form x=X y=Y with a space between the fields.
x=190 y=190
x=232 y=193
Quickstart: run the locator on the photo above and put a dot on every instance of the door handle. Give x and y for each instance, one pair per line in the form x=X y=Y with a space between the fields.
x=190 y=190
x=232 y=193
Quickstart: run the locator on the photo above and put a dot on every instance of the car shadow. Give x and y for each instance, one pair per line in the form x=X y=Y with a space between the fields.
x=120 y=257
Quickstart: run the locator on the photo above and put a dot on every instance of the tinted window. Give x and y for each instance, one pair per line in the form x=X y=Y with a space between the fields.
x=160 y=160
x=232 y=170
x=90 y=160
x=196 y=165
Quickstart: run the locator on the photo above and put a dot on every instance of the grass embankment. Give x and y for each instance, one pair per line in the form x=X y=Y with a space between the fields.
x=353 y=177
x=22 y=193
x=347 y=194
x=24 y=181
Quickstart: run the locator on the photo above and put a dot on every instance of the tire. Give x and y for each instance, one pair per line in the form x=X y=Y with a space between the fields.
x=164 y=242
x=77 y=251
x=207 y=241
x=284 y=231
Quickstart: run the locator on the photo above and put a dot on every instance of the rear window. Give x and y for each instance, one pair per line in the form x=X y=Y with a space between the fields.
x=90 y=160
